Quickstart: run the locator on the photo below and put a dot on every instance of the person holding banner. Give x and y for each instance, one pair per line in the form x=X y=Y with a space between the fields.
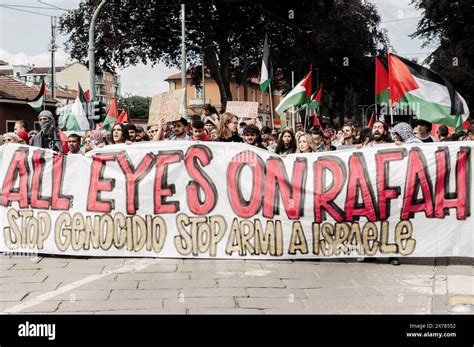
x=286 y=143
x=120 y=135
x=252 y=136
x=48 y=137
x=306 y=144
x=227 y=130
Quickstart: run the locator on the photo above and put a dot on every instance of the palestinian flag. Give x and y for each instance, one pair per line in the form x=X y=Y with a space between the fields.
x=316 y=120
x=298 y=96
x=382 y=91
x=266 y=72
x=316 y=99
x=430 y=96
x=123 y=117
x=111 y=117
x=371 y=121
x=74 y=117
x=37 y=103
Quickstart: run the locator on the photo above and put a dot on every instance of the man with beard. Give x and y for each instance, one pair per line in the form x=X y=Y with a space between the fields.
x=348 y=137
x=48 y=137
x=179 y=131
x=380 y=133
x=132 y=131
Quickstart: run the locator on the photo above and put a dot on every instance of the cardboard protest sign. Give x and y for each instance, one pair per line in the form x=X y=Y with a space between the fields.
x=228 y=200
x=167 y=105
x=243 y=109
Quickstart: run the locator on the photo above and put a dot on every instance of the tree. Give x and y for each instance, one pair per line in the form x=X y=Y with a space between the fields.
x=138 y=106
x=450 y=25
x=232 y=33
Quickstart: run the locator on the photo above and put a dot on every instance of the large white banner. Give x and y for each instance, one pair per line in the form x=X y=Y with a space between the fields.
x=221 y=200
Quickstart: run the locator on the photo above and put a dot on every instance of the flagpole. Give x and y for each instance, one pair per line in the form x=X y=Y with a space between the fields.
x=271 y=103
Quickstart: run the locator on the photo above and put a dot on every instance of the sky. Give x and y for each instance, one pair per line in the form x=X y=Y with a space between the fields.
x=24 y=38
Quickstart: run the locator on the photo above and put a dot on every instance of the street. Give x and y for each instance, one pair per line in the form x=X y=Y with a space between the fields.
x=48 y=284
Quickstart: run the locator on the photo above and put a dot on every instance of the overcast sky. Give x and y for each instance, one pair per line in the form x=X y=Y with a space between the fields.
x=24 y=38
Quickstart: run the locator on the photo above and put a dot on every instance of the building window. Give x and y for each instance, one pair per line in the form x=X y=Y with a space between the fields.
x=10 y=126
x=261 y=100
x=237 y=92
x=254 y=98
x=268 y=102
x=172 y=85
x=198 y=92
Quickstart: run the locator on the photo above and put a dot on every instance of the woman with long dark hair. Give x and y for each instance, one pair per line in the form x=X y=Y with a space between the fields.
x=120 y=134
x=286 y=143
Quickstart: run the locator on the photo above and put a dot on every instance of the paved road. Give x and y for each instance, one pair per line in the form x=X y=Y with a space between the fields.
x=118 y=285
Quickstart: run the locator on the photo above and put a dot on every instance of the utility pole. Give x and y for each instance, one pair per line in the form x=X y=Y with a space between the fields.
x=203 y=78
x=52 y=48
x=183 y=61
x=92 y=60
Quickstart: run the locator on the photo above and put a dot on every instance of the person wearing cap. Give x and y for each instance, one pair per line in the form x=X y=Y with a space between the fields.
x=11 y=138
x=24 y=137
x=403 y=133
x=179 y=131
x=140 y=134
x=48 y=137
x=424 y=131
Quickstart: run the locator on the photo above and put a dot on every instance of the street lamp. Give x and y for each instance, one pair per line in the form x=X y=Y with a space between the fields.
x=126 y=103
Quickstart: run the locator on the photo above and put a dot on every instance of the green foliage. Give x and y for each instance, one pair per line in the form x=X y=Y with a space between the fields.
x=318 y=32
x=450 y=25
x=137 y=106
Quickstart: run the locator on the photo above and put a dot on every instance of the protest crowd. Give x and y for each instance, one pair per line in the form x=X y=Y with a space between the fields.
x=226 y=127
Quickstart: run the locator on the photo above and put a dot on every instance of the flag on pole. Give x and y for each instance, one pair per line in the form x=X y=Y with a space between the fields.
x=316 y=120
x=74 y=117
x=298 y=96
x=382 y=90
x=315 y=100
x=429 y=95
x=111 y=117
x=371 y=121
x=266 y=72
x=37 y=103
x=123 y=117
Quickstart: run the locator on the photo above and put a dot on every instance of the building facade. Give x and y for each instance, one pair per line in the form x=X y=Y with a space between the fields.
x=195 y=100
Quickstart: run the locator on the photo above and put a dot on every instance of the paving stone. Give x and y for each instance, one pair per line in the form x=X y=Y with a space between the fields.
x=125 y=294
x=149 y=276
x=40 y=307
x=460 y=285
x=40 y=265
x=338 y=292
x=269 y=303
x=217 y=266
x=212 y=292
x=158 y=268
x=177 y=284
x=73 y=295
x=319 y=283
x=251 y=283
x=12 y=296
x=225 y=311
x=110 y=305
x=28 y=287
x=107 y=284
x=16 y=273
x=404 y=290
x=38 y=278
x=275 y=293
x=173 y=310
x=218 y=302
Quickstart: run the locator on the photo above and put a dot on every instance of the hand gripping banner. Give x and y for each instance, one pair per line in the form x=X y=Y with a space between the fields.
x=221 y=200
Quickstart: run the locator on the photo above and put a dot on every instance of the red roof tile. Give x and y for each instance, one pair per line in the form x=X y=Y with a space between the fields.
x=6 y=72
x=12 y=89
x=45 y=70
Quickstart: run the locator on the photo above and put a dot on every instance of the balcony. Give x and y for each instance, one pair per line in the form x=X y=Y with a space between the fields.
x=99 y=80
